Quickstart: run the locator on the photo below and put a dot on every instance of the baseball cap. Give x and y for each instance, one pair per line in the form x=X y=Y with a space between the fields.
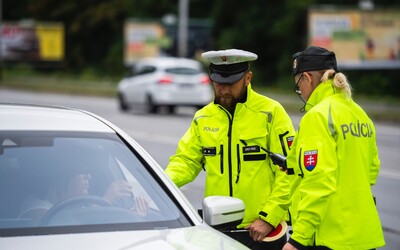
x=228 y=66
x=313 y=58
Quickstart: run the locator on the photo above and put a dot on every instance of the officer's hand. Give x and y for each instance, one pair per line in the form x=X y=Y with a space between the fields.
x=288 y=171
x=288 y=246
x=141 y=205
x=259 y=229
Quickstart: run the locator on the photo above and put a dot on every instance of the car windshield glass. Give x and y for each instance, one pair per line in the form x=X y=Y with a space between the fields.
x=78 y=182
x=182 y=71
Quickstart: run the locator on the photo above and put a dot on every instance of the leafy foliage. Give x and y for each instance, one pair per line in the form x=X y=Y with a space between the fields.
x=272 y=29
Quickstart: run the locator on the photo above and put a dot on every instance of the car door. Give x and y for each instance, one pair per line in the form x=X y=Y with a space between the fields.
x=139 y=83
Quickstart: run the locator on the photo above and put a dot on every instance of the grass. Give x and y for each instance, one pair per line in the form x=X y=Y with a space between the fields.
x=60 y=85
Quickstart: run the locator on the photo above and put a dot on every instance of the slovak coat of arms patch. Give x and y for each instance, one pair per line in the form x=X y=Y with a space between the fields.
x=289 y=141
x=310 y=159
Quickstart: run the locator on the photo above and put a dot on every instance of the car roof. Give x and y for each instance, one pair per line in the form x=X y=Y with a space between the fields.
x=164 y=62
x=49 y=118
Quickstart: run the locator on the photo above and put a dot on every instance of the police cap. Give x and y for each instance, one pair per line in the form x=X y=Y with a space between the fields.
x=313 y=58
x=228 y=66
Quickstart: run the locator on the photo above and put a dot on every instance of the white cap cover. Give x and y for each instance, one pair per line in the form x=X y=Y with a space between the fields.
x=228 y=66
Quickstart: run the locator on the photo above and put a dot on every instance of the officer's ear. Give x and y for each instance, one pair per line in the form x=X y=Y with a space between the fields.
x=248 y=77
x=314 y=78
x=307 y=76
x=308 y=79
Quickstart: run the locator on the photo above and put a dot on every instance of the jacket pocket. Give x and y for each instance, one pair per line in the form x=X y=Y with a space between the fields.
x=252 y=141
x=255 y=157
x=214 y=158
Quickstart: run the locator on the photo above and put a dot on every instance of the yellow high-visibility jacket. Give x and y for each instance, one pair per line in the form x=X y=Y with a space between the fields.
x=230 y=148
x=335 y=161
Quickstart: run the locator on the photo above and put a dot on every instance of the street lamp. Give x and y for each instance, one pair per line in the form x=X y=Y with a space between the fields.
x=183 y=28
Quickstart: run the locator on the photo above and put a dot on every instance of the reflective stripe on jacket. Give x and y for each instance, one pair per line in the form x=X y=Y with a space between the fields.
x=230 y=148
x=335 y=160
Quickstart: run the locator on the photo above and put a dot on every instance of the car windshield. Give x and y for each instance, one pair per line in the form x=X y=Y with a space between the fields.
x=69 y=182
x=182 y=71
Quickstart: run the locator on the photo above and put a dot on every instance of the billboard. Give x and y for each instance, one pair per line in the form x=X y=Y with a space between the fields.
x=361 y=39
x=143 y=39
x=33 y=42
x=153 y=37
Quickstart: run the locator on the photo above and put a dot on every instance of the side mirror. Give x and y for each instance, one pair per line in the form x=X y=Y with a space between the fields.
x=223 y=212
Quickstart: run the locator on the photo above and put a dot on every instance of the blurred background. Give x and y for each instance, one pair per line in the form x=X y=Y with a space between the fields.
x=97 y=40
x=86 y=47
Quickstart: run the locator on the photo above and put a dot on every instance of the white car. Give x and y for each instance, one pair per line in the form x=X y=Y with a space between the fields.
x=71 y=180
x=165 y=82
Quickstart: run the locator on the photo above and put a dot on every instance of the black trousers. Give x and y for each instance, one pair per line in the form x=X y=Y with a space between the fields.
x=245 y=239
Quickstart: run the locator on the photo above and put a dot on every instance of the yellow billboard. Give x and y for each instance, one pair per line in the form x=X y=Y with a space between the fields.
x=51 y=42
x=361 y=39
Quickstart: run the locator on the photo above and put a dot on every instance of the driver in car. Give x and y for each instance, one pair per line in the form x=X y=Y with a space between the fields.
x=36 y=206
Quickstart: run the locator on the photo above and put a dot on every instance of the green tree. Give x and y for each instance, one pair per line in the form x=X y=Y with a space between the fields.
x=272 y=29
x=93 y=29
x=276 y=29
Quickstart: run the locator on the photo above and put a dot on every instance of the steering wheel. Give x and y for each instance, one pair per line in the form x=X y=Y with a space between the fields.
x=84 y=200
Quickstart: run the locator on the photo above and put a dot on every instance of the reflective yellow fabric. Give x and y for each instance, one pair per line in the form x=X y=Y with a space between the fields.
x=230 y=149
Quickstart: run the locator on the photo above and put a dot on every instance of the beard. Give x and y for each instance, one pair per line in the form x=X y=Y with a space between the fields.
x=229 y=101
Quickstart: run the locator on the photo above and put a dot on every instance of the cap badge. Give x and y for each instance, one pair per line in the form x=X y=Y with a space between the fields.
x=295 y=63
x=224 y=58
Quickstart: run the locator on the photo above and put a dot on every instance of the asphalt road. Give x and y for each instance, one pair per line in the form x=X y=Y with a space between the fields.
x=159 y=135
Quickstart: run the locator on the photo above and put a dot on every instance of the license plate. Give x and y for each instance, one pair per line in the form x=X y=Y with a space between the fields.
x=186 y=85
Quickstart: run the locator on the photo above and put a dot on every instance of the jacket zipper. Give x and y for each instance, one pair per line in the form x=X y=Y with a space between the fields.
x=230 y=156
x=221 y=159
x=238 y=163
x=281 y=136
x=229 y=151
x=301 y=169
x=238 y=157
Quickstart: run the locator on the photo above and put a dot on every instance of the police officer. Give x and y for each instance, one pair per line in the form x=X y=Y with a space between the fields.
x=228 y=138
x=335 y=161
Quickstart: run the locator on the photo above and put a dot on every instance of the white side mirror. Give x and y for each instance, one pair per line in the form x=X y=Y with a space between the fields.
x=223 y=211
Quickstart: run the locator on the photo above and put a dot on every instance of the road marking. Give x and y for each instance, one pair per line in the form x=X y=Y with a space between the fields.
x=392 y=174
x=391 y=230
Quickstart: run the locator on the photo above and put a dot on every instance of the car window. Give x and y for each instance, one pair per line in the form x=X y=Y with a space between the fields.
x=145 y=70
x=87 y=181
x=183 y=71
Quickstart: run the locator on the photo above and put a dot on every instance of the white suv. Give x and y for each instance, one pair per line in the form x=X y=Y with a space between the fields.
x=165 y=82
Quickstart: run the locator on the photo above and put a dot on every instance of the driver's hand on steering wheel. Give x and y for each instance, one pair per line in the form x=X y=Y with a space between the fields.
x=117 y=190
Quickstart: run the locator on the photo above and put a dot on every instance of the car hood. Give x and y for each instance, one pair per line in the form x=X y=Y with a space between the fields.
x=198 y=237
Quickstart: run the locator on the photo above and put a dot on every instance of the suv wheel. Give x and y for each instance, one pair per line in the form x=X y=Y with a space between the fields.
x=122 y=102
x=171 y=109
x=149 y=106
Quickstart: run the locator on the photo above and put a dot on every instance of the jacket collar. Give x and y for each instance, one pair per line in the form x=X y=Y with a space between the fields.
x=322 y=91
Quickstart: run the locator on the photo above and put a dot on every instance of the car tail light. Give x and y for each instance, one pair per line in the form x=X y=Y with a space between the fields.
x=205 y=80
x=165 y=80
